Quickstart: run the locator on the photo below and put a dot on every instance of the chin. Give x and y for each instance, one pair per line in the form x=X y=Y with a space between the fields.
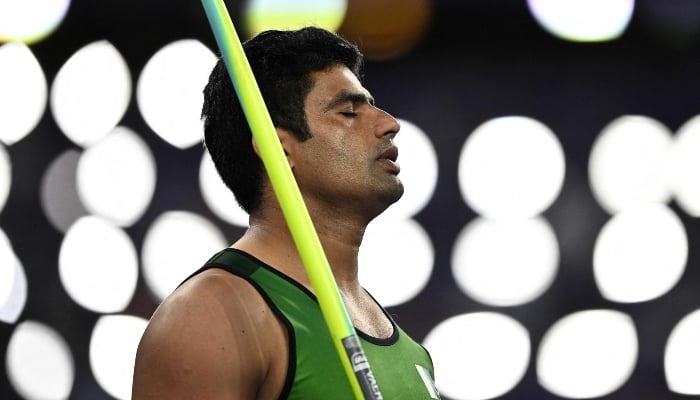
x=399 y=192
x=396 y=194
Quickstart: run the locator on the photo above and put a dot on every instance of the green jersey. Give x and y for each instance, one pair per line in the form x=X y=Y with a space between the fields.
x=402 y=368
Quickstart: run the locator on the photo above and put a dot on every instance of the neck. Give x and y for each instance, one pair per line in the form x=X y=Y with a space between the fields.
x=270 y=240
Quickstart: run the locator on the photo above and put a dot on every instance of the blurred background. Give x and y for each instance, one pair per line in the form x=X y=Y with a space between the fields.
x=547 y=244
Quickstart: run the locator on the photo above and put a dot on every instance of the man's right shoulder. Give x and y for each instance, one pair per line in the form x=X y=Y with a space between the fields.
x=211 y=308
x=215 y=288
x=200 y=337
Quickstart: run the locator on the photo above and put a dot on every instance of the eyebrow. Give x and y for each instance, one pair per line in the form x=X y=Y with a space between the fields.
x=345 y=96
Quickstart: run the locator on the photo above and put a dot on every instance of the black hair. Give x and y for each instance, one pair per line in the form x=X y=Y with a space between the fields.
x=282 y=62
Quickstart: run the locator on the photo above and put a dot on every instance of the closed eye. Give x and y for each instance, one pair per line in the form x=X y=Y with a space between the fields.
x=347 y=101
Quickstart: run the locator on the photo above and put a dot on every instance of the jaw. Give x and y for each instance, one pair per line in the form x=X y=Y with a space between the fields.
x=390 y=193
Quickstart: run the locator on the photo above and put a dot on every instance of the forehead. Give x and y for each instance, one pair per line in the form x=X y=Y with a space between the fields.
x=329 y=82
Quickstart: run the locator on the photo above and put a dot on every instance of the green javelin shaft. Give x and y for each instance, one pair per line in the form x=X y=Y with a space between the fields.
x=308 y=245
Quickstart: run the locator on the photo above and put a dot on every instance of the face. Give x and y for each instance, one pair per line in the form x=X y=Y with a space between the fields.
x=350 y=160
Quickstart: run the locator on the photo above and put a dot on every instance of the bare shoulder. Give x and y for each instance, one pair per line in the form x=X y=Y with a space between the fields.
x=214 y=337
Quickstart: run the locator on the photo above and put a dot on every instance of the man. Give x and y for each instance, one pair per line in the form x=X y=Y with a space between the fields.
x=247 y=325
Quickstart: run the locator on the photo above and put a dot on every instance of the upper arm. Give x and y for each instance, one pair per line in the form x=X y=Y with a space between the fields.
x=207 y=340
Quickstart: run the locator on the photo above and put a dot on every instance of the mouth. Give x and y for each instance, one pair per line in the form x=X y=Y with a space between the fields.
x=389 y=157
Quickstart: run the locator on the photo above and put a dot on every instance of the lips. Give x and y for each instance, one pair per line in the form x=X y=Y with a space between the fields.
x=388 y=157
x=392 y=153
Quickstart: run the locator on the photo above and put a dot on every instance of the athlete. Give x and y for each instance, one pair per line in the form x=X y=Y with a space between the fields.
x=247 y=325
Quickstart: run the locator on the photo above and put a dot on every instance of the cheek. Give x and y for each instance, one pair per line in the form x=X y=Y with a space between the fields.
x=352 y=158
x=337 y=150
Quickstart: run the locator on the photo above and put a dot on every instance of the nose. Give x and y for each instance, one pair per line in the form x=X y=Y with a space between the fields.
x=387 y=124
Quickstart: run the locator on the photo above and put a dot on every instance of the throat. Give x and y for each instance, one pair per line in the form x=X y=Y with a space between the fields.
x=381 y=330
x=369 y=317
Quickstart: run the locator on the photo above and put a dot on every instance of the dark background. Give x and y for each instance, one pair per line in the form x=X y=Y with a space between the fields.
x=478 y=59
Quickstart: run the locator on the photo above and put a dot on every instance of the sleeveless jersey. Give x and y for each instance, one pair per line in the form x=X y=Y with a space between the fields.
x=403 y=369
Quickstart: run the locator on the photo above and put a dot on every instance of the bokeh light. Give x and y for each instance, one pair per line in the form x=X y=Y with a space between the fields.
x=218 y=196
x=59 y=191
x=479 y=355
x=7 y=268
x=16 y=300
x=5 y=176
x=383 y=259
x=682 y=356
x=113 y=350
x=629 y=163
x=13 y=282
x=685 y=167
x=39 y=362
x=30 y=21
x=23 y=91
x=97 y=282
x=116 y=177
x=91 y=92
x=511 y=167
x=176 y=245
x=505 y=262
x=386 y=29
x=419 y=170
x=583 y=20
x=169 y=91
x=640 y=254
x=587 y=354
x=261 y=15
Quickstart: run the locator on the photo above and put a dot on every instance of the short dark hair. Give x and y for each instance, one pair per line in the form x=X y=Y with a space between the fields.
x=282 y=62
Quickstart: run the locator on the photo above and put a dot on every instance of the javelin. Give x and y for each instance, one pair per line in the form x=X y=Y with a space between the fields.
x=308 y=245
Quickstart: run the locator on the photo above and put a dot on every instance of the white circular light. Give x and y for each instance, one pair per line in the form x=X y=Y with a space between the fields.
x=91 y=93
x=59 y=192
x=5 y=176
x=169 y=91
x=113 y=350
x=218 y=196
x=479 y=355
x=17 y=298
x=685 y=160
x=583 y=20
x=7 y=268
x=13 y=282
x=24 y=91
x=117 y=177
x=39 y=362
x=97 y=282
x=261 y=15
x=629 y=163
x=176 y=245
x=30 y=21
x=682 y=356
x=383 y=258
x=505 y=262
x=587 y=354
x=419 y=170
x=640 y=254
x=511 y=167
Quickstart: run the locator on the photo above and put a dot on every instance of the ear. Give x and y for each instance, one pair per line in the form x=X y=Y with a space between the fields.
x=286 y=139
